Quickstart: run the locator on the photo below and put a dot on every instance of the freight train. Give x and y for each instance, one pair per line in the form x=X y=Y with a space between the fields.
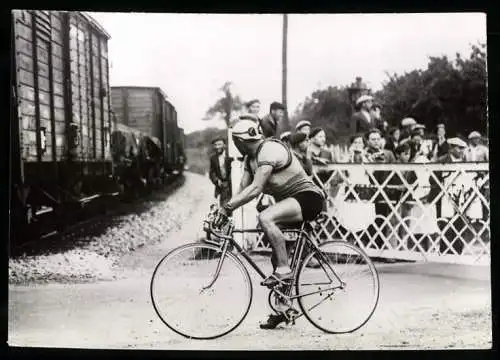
x=74 y=139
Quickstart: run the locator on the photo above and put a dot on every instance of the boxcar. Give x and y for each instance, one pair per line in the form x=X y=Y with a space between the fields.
x=60 y=122
x=147 y=110
x=140 y=108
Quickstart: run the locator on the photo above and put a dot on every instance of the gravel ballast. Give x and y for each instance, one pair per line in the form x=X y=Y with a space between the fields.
x=96 y=257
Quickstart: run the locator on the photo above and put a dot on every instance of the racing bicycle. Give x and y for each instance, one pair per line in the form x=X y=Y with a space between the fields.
x=203 y=290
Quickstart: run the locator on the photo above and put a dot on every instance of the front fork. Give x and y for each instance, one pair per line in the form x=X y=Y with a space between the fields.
x=219 y=267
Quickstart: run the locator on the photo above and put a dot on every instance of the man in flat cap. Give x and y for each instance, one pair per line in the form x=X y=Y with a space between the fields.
x=456 y=151
x=220 y=171
x=271 y=121
x=446 y=209
x=476 y=151
x=420 y=128
x=303 y=126
x=361 y=120
x=420 y=145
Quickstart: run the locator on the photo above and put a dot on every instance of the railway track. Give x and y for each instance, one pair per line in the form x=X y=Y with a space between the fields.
x=71 y=236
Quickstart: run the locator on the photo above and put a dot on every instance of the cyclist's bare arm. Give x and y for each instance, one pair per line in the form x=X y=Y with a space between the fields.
x=253 y=190
x=246 y=180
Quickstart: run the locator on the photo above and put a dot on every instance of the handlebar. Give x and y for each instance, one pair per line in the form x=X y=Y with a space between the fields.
x=212 y=217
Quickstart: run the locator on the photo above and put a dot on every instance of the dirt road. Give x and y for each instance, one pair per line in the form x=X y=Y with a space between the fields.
x=416 y=311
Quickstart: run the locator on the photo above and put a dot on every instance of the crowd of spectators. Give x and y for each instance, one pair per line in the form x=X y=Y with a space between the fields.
x=375 y=142
x=409 y=136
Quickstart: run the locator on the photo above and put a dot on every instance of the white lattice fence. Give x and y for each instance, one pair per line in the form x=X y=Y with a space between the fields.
x=431 y=212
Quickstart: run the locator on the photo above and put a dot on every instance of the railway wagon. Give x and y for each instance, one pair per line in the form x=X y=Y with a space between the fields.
x=139 y=108
x=60 y=116
x=146 y=109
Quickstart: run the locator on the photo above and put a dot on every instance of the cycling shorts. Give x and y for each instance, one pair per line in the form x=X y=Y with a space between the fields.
x=311 y=204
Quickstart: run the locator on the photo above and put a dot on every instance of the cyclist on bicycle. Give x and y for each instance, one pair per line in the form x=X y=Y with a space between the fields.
x=271 y=168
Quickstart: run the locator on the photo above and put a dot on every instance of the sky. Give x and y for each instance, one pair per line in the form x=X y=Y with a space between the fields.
x=190 y=56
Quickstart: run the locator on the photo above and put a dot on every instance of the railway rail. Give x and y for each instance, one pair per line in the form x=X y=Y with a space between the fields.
x=92 y=223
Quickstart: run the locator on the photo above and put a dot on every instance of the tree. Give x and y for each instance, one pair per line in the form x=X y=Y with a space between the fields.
x=329 y=109
x=449 y=92
x=225 y=106
x=203 y=138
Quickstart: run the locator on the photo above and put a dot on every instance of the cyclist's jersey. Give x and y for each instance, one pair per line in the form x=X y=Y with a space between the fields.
x=288 y=177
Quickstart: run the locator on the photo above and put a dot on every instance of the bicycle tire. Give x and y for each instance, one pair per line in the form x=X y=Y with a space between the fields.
x=373 y=300
x=197 y=248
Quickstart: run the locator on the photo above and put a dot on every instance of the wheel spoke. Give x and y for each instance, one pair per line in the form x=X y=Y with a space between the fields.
x=355 y=297
x=189 y=286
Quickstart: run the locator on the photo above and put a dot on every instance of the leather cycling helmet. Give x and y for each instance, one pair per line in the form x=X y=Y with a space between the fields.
x=247 y=130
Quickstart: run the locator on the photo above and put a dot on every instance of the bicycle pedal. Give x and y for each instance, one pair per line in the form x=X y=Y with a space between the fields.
x=290 y=315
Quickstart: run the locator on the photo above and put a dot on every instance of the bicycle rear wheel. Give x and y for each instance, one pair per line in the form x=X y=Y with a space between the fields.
x=342 y=293
x=182 y=304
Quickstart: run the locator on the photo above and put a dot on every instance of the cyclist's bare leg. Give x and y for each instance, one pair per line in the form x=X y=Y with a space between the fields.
x=289 y=247
x=283 y=212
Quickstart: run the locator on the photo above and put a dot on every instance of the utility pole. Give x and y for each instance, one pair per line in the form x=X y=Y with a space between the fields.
x=284 y=69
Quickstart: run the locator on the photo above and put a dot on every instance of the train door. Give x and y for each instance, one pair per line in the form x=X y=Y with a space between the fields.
x=88 y=105
x=35 y=107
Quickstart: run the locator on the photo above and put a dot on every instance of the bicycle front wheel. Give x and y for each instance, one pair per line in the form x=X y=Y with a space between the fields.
x=340 y=294
x=191 y=300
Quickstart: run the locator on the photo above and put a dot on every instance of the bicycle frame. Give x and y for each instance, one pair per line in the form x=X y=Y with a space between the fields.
x=302 y=240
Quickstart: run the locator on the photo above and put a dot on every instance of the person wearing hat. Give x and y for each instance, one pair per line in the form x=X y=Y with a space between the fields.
x=361 y=120
x=285 y=137
x=446 y=206
x=303 y=126
x=476 y=151
x=407 y=126
x=416 y=145
x=456 y=151
x=420 y=128
x=299 y=144
x=271 y=121
x=220 y=170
